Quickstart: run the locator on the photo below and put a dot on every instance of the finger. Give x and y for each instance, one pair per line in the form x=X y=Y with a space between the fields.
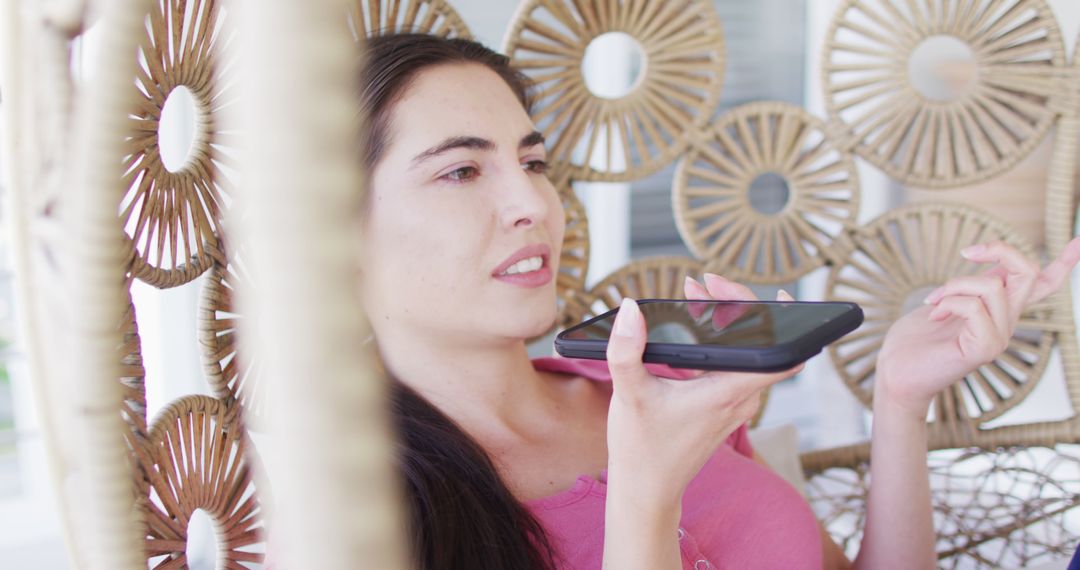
x=1020 y=271
x=720 y=288
x=1054 y=275
x=626 y=346
x=990 y=290
x=696 y=291
x=782 y=295
x=979 y=339
x=724 y=314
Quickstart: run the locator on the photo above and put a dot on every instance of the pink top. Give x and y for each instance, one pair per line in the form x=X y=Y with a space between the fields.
x=736 y=514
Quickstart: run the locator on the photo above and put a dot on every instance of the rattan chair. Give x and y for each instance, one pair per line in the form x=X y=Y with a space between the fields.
x=95 y=211
x=1002 y=494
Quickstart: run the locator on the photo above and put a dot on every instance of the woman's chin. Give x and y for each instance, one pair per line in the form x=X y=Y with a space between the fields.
x=535 y=328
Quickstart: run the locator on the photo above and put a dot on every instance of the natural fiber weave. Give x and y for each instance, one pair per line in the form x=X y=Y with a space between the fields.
x=233 y=379
x=132 y=374
x=337 y=503
x=198 y=457
x=376 y=17
x=172 y=218
x=100 y=485
x=899 y=258
x=712 y=186
x=51 y=258
x=1014 y=93
x=574 y=258
x=652 y=278
x=1060 y=218
x=639 y=133
x=1002 y=508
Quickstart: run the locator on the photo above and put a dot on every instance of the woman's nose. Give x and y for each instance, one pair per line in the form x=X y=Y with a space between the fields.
x=525 y=203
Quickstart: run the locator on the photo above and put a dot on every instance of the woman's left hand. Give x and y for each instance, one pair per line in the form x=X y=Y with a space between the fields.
x=966 y=323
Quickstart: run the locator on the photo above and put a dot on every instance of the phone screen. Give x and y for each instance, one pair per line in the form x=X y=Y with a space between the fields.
x=729 y=323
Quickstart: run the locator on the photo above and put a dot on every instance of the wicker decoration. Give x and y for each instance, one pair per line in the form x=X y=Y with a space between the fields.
x=198 y=457
x=306 y=326
x=637 y=134
x=711 y=195
x=377 y=17
x=1006 y=508
x=231 y=378
x=173 y=217
x=1002 y=104
x=132 y=373
x=655 y=278
x=899 y=258
x=574 y=258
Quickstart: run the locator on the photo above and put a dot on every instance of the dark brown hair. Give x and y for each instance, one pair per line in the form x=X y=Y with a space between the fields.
x=392 y=62
x=462 y=516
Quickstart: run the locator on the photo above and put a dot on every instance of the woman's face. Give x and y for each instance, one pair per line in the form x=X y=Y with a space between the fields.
x=463 y=229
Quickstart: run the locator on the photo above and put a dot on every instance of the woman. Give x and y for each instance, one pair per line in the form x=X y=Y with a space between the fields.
x=516 y=464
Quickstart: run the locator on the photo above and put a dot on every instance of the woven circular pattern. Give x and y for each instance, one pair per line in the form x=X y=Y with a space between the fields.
x=132 y=373
x=628 y=137
x=899 y=259
x=655 y=278
x=196 y=458
x=171 y=217
x=574 y=257
x=378 y=17
x=233 y=379
x=936 y=117
x=714 y=186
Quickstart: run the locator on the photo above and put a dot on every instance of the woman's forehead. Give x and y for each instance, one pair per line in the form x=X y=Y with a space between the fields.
x=453 y=100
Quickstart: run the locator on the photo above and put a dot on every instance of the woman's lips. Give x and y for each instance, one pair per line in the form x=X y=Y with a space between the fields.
x=531 y=279
x=526 y=267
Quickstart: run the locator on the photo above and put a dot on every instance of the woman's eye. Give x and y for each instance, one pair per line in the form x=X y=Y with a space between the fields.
x=463 y=174
x=537 y=166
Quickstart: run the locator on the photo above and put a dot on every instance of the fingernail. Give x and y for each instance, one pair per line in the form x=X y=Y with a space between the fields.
x=626 y=318
x=714 y=277
x=783 y=294
x=973 y=250
x=690 y=281
x=933 y=296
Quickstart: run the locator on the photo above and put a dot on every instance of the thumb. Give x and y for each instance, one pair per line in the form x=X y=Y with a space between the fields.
x=626 y=345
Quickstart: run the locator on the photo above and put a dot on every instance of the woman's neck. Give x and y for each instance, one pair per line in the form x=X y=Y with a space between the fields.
x=490 y=386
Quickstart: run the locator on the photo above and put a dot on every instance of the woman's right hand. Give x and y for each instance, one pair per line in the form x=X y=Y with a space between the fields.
x=662 y=431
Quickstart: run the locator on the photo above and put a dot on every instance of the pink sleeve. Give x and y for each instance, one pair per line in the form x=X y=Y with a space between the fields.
x=665 y=371
x=740 y=440
x=598 y=369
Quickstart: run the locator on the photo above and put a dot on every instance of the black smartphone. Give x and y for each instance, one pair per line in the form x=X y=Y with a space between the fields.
x=749 y=336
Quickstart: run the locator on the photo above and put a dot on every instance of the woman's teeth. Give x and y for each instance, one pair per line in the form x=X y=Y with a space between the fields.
x=525 y=266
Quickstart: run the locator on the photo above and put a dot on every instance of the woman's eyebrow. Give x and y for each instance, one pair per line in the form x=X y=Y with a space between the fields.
x=452 y=143
x=532 y=139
